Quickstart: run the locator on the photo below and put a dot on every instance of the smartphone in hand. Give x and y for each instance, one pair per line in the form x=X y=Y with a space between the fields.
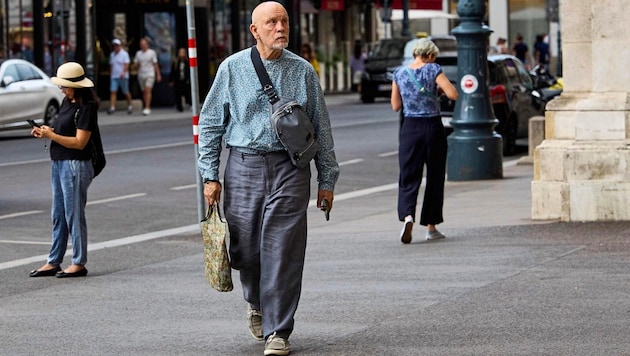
x=326 y=209
x=33 y=123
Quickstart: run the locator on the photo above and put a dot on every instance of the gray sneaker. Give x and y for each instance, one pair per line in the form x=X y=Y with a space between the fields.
x=254 y=321
x=434 y=235
x=276 y=345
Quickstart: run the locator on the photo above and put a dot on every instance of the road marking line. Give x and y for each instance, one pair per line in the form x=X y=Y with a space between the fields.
x=102 y=201
x=182 y=187
x=127 y=150
x=195 y=227
x=109 y=244
x=352 y=161
x=122 y=197
x=387 y=154
x=21 y=214
x=25 y=242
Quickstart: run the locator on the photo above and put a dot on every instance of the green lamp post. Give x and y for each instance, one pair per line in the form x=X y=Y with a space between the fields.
x=474 y=148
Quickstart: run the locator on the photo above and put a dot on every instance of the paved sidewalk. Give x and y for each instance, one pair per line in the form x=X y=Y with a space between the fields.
x=499 y=284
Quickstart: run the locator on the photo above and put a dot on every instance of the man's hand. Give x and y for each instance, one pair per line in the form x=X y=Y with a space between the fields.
x=212 y=192
x=325 y=194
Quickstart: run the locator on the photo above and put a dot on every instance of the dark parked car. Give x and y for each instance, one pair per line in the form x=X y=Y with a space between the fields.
x=389 y=54
x=513 y=95
x=376 y=81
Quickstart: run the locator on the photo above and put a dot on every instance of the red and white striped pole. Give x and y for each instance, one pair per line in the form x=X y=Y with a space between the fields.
x=194 y=95
x=192 y=61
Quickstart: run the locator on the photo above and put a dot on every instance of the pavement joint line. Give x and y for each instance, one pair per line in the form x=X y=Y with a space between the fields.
x=555 y=258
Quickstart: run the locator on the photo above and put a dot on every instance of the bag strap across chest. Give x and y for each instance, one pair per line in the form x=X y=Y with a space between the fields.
x=264 y=77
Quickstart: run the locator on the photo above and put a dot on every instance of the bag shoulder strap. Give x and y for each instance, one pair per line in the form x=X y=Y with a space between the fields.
x=423 y=90
x=413 y=77
x=264 y=77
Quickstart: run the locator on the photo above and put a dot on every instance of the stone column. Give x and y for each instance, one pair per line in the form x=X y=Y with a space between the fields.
x=581 y=170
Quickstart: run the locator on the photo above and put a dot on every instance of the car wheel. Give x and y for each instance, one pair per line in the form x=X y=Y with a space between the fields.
x=52 y=109
x=508 y=131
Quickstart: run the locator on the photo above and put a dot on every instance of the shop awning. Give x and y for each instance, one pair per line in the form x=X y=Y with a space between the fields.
x=423 y=14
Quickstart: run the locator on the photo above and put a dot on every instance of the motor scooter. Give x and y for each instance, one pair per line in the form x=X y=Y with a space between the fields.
x=547 y=87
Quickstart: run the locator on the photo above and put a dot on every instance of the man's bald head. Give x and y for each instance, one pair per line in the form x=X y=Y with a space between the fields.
x=270 y=28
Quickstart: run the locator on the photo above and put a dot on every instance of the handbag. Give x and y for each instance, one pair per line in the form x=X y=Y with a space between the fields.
x=292 y=125
x=217 y=262
x=96 y=146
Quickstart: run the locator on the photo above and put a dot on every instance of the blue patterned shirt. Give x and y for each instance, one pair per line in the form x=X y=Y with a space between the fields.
x=417 y=103
x=237 y=110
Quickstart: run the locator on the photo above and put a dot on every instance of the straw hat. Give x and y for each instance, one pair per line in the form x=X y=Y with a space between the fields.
x=71 y=75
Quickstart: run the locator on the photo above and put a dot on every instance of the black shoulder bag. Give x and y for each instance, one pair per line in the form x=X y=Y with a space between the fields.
x=95 y=143
x=292 y=125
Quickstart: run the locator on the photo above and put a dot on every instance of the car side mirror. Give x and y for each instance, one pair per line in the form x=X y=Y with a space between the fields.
x=6 y=81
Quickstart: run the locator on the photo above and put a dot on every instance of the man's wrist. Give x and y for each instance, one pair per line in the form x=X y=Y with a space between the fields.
x=208 y=180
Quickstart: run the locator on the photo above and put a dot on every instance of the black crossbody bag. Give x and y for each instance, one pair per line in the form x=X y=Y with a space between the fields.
x=291 y=123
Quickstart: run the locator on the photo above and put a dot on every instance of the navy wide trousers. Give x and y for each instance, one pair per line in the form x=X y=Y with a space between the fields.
x=422 y=142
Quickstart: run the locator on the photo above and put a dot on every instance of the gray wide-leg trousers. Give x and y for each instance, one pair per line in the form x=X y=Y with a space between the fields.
x=265 y=207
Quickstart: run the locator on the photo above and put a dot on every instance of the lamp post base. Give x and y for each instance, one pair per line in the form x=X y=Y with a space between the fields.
x=473 y=158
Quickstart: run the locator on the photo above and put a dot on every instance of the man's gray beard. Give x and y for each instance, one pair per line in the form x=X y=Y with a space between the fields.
x=280 y=46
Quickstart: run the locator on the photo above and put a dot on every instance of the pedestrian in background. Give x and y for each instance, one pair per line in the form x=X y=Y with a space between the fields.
x=308 y=53
x=119 y=71
x=148 y=72
x=180 y=79
x=521 y=51
x=72 y=170
x=415 y=90
x=266 y=197
x=500 y=47
x=541 y=50
x=357 y=65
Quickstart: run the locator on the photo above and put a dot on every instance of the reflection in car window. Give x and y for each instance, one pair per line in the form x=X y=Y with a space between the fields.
x=11 y=70
x=388 y=49
x=492 y=74
x=27 y=73
x=526 y=80
x=512 y=73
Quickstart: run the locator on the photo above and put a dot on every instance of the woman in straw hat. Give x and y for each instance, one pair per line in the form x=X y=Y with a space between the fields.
x=72 y=170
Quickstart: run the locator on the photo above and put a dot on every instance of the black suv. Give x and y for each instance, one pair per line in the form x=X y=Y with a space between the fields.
x=389 y=54
x=376 y=81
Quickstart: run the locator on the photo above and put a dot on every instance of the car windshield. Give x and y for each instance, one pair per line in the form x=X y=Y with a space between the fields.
x=388 y=49
x=445 y=44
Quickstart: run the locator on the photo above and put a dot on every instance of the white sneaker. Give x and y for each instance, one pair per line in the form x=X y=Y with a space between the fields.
x=405 y=234
x=276 y=345
x=146 y=112
x=130 y=109
x=254 y=321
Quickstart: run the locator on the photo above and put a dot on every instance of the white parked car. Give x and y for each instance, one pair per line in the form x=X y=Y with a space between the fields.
x=26 y=92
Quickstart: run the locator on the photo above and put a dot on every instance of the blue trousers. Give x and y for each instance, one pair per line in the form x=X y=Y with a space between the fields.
x=70 y=182
x=422 y=142
x=265 y=208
